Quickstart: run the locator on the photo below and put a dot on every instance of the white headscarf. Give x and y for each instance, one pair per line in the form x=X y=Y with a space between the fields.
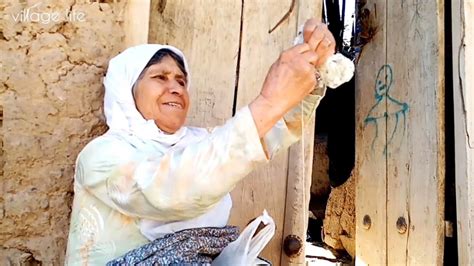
x=120 y=111
x=123 y=118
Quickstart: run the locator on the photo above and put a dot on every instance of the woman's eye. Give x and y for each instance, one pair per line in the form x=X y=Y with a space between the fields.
x=160 y=77
x=182 y=83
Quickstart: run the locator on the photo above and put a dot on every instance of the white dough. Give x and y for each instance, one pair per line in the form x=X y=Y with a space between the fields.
x=337 y=70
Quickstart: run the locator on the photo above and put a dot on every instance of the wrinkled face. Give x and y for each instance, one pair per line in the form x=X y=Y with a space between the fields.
x=161 y=95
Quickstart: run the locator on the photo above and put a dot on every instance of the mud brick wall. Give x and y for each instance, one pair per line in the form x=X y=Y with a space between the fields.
x=339 y=223
x=339 y=211
x=52 y=61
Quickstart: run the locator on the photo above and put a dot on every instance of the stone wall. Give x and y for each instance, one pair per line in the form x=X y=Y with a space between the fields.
x=339 y=223
x=335 y=206
x=53 y=55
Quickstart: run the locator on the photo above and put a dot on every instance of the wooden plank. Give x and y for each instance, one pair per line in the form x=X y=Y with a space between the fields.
x=298 y=192
x=463 y=92
x=415 y=132
x=265 y=188
x=300 y=164
x=190 y=26
x=137 y=16
x=370 y=168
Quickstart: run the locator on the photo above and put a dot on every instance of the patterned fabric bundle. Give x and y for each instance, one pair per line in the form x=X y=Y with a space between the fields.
x=197 y=246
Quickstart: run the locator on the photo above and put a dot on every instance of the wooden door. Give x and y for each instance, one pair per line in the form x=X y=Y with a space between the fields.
x=230 y=49
x=400 y=134
x=463 y=92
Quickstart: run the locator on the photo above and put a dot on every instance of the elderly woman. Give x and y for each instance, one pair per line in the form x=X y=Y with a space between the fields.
x=149 y=175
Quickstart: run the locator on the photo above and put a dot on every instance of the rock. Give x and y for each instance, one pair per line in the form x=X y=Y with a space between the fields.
x=339 y=223
x=320 y=186
x=15 y=257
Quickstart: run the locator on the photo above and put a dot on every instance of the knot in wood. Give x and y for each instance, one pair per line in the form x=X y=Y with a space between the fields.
x=366 y=222
x=401 y=225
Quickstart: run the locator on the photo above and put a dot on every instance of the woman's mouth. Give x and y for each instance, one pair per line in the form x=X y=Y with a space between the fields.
x=174 y=105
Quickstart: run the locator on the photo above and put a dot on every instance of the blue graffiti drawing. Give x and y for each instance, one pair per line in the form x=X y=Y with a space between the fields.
x=386 y=107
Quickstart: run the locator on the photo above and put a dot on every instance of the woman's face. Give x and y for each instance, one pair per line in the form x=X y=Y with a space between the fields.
x=161 y=95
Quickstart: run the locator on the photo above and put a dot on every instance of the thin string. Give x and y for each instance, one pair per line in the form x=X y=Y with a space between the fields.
x=303 y=165
x=304 y=162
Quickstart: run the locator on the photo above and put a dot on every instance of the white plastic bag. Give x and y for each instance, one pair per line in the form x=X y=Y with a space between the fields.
x=245 y=250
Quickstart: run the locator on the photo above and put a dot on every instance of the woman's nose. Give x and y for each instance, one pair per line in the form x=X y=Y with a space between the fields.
x=176 y=88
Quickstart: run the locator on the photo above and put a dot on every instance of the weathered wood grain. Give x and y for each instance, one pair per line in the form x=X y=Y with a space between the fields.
x=371 y=169
x=265 y=188
x=208 y=34
x=300 y=163
x=463 y=92
x=136 y=22
x=415 y=133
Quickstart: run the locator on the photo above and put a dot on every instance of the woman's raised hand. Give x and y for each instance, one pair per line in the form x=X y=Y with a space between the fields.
x=320 y=40
x=292 y=76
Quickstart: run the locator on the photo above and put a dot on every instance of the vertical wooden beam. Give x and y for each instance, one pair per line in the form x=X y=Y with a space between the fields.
x=137 y=16
x=190 y=26
x=415 y=132
x=400 y=135
x=300 y=163
x=370 y=168
x=463 y=92
x=265 y=188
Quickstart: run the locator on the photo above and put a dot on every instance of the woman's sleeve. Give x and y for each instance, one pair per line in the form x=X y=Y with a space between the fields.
x=183 y=183
x=288 y=130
